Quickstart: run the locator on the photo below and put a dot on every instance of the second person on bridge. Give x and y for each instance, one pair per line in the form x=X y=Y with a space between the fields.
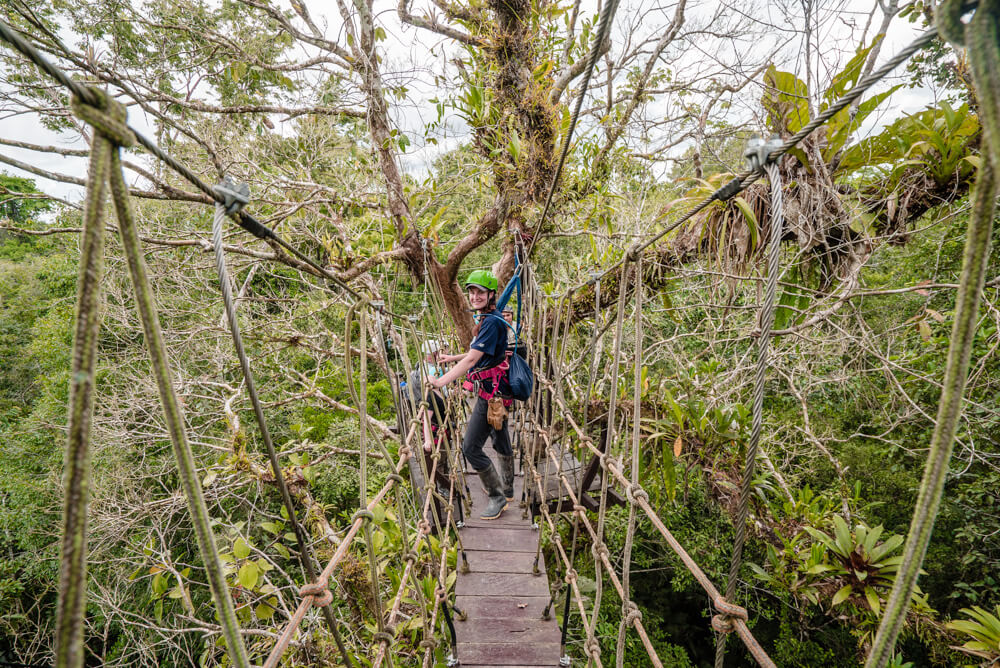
x=486 y=364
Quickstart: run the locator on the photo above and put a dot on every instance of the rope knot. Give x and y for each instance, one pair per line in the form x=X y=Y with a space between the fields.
x=411 y=556
x=442 y=594
x=108 y=119
x=593 y=647
x=631 y=613
x=600 y=551
x=730 y=609
x=429 y=643
x=635 y=492
x=322 y=596
x=571 y=576
x=383 y=636
x=424 y=527
x=723 y=623
x=364 y=513
x=396 y=478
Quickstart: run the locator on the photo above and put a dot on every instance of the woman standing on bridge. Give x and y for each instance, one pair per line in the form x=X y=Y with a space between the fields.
x=486 y=364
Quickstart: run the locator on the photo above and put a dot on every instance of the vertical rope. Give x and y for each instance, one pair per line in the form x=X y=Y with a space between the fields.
x=605 y=476
x=76 y=476
x=146 y=308
x=363 y=474
x=629 y=610
x=763 y=347
x=983 y=38
x=596 y=348
x=306 y=557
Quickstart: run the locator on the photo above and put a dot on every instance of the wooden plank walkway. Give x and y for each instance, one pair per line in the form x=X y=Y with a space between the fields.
x=504 y=601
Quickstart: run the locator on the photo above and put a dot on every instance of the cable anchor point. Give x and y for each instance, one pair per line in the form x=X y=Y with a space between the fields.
x=234 y=196
x=758 y=152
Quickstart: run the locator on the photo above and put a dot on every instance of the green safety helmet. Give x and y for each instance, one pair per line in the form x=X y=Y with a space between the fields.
x=484 y=278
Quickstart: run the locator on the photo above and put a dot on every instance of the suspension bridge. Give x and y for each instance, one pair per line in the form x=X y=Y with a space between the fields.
x=491 y=603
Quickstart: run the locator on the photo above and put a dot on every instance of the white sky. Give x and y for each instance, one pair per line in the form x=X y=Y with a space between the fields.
x=417 y=59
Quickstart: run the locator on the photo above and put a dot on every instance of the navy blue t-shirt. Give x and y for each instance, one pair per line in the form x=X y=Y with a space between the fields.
x=492 y=341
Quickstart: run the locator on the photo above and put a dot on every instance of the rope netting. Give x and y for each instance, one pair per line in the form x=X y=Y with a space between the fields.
x=429 y=511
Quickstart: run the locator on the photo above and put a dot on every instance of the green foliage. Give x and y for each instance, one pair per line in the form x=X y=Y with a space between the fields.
x=939 y=141
x=20 y=201
x=786 y=101
x=983 y=627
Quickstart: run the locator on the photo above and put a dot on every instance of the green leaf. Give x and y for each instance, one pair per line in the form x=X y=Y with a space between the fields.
x=843 y=534
x=265 y=610
x=786 y=100
x=271 y=527
x=159 y=584
x=842 y=594
x=249 y=573
x=751 y=219
x=241 y=549
x=873 y=601
x=210 y=478
x=887 y=547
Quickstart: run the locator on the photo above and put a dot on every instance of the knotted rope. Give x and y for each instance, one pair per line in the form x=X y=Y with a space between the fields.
x=108 y=118
x=234 y=198
x=982 y=36
x=320 y=592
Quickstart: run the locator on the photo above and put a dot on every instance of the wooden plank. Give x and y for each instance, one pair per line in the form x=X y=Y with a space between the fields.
x=484 y=561
x=499 y=539
x=483 y=630
x=465 y=665
x=501 y=584
x=504 y=606
x=509 y=654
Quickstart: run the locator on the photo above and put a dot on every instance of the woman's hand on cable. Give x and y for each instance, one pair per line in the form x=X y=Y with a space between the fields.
x=466 y=362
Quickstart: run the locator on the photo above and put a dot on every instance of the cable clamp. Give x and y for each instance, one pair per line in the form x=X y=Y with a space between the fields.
x=234 y=195
x=758 y=152
x=564 y=660
x=378 y=305
x=451 y=661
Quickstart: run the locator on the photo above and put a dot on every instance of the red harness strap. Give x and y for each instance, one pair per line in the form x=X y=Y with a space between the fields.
x=494 y=374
